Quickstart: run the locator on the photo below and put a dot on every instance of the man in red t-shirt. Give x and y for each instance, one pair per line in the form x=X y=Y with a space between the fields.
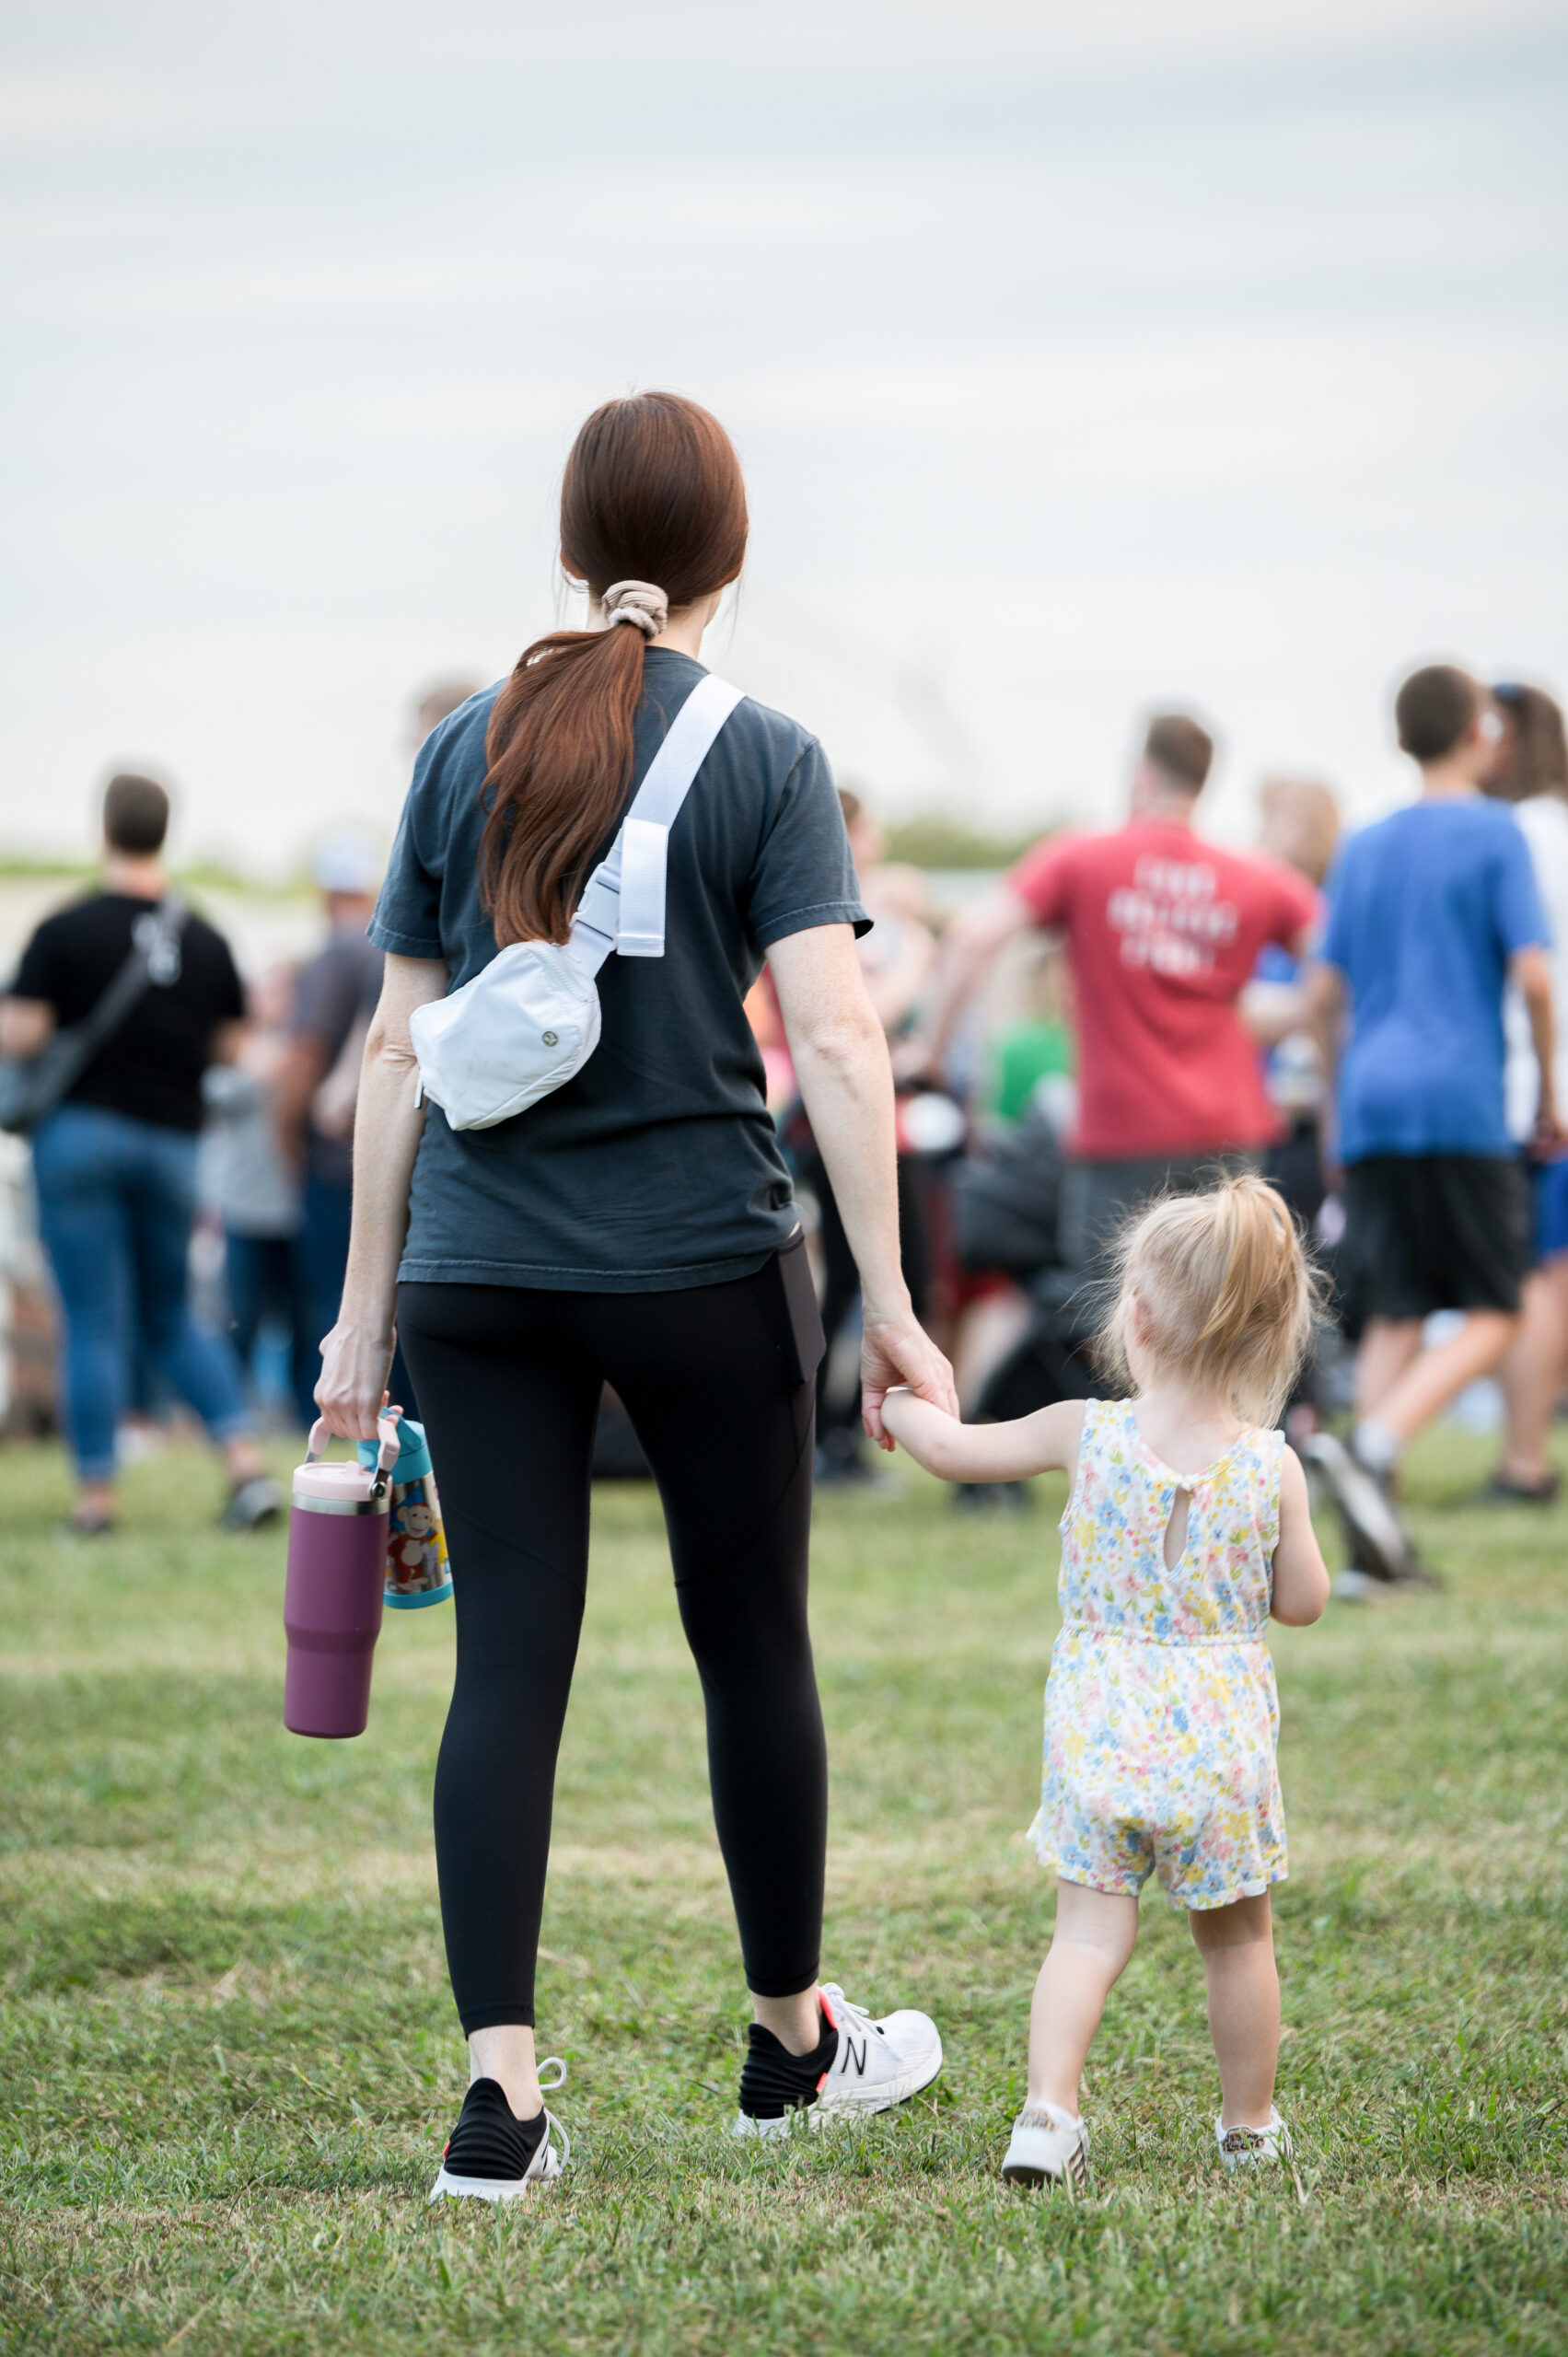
x=1163 y=931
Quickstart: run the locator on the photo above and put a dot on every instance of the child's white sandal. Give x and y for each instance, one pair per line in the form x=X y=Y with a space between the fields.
x=1246 y=2148
x=1048 y=2147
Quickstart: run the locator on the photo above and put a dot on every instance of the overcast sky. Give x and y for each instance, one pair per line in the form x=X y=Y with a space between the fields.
x=1210 y=352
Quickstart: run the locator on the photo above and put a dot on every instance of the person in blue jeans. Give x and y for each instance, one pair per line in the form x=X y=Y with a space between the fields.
x=1432 y=913
x=115 y=1164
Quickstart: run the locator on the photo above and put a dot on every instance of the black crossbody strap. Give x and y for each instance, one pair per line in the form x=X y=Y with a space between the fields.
x=32 y=1086
x=155 y=948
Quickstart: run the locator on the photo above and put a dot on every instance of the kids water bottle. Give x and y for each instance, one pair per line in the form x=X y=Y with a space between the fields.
x=337 y=1557
x=417 y=1569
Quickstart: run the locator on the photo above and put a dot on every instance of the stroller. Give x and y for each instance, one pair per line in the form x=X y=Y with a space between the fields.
x=1006 y=1210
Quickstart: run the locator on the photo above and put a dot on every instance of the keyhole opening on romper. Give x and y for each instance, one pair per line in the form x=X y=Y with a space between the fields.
x=1176 y=1530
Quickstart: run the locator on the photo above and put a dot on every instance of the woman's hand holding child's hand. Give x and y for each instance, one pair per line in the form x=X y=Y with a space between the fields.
x=896 y=1350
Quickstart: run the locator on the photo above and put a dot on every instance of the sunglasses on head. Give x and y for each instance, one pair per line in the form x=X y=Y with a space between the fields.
x=1508 y=693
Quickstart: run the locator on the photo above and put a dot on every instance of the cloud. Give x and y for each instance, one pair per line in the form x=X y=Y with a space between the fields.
x=1081 y=356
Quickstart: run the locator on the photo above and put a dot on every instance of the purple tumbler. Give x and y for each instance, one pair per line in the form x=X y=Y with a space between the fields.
x=337 y=1568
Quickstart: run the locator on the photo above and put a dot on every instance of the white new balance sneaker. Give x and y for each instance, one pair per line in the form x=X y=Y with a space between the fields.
x=1245 y=2148
x=879 y=2064
x=860 y=2066
x=1048 y=2147
x=491 y=2155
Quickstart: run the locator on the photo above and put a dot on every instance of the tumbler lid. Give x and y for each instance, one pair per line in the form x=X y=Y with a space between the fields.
x=359 y=1486
x=347 y=1486
x=413 y=1452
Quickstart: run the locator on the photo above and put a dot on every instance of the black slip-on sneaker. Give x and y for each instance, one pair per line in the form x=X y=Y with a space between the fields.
x=491 y=2155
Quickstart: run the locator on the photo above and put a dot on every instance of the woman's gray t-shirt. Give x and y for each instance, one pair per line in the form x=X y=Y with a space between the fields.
x=657 y=1167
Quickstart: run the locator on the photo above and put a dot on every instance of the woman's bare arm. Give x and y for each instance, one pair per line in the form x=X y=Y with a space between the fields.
x=1047 y=1442
x=358 y=1354
x=846 y=1082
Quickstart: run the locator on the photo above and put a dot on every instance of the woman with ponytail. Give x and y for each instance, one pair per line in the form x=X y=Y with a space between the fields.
x=636 y=1227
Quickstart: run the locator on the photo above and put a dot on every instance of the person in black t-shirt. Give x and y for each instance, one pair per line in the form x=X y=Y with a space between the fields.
x=115 y=1163
x=634 y=1226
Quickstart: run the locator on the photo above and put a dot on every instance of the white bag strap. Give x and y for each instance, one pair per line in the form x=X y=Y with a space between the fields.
x=622 y=904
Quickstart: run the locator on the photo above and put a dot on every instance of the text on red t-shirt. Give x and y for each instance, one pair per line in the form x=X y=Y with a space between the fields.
x=1163 y=931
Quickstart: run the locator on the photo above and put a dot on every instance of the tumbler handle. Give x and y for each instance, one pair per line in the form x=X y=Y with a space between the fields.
x=321 y=1440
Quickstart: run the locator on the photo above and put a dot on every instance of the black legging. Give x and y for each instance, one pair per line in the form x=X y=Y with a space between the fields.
x=509 y=1385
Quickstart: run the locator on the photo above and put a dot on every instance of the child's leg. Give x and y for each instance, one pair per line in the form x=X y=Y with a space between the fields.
x=1093 y=1939
x=1237 y=1946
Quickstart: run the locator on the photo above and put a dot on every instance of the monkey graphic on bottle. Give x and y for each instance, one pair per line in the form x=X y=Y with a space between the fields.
x=418 y=1570
x=416 y=1545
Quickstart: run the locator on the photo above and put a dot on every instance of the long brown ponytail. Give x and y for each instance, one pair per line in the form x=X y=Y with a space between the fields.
x=652 y=491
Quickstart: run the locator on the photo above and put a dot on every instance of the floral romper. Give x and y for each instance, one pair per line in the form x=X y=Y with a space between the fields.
x=1161 y=1717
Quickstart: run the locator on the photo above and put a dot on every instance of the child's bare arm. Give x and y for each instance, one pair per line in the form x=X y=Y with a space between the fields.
x=1301 y=1576
x=1046 y=1442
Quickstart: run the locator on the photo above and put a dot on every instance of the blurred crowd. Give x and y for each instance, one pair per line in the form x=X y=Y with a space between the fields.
x=1375 y=1022
x=192 y=1172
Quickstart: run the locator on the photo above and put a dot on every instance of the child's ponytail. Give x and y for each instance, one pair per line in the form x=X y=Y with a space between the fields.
x=1219 y=1285
x=652 y=495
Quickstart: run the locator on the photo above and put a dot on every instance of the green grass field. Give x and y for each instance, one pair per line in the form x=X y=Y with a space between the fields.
x=229 y=2057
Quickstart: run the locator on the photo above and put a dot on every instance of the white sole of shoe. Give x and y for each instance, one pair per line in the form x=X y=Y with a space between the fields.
x=766 y=2130
x=1020 y=2172
x=489 y=2189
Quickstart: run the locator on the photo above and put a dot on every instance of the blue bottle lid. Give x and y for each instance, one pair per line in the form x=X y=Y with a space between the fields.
x=414 y=1454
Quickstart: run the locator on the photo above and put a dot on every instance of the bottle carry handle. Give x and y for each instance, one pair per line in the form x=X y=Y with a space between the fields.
x=321 y=1440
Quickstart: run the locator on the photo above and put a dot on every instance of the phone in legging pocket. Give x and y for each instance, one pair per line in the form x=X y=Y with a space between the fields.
x=804 y=1340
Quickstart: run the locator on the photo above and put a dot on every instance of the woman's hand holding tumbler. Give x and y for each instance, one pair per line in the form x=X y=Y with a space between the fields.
x=356 y=1361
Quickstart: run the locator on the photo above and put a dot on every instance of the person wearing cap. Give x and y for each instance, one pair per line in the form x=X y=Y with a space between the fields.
x=334 y=998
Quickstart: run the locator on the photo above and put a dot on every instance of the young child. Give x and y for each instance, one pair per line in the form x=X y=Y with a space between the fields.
x=1186 y=1526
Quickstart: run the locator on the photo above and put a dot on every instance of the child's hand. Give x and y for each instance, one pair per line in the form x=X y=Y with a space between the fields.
x=928 y=1433
x=893 y=1419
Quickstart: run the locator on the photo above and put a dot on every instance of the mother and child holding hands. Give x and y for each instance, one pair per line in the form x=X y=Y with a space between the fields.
x=634 y=1225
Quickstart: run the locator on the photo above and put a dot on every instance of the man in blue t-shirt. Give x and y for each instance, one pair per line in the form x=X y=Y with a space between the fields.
x=1431 y=913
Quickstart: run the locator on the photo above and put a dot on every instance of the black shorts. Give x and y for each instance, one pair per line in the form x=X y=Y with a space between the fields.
x=1433 y=1231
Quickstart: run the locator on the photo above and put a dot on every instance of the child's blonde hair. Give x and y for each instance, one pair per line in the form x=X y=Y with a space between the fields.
x=1226 y=1292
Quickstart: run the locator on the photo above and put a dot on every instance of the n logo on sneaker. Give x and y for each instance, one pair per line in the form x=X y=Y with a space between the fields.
x=857 y=2058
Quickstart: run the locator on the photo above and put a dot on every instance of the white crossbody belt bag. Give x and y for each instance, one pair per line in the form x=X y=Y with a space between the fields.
x=530 y=1020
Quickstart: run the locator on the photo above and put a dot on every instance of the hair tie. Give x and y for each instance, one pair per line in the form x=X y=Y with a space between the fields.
x=641 y=602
